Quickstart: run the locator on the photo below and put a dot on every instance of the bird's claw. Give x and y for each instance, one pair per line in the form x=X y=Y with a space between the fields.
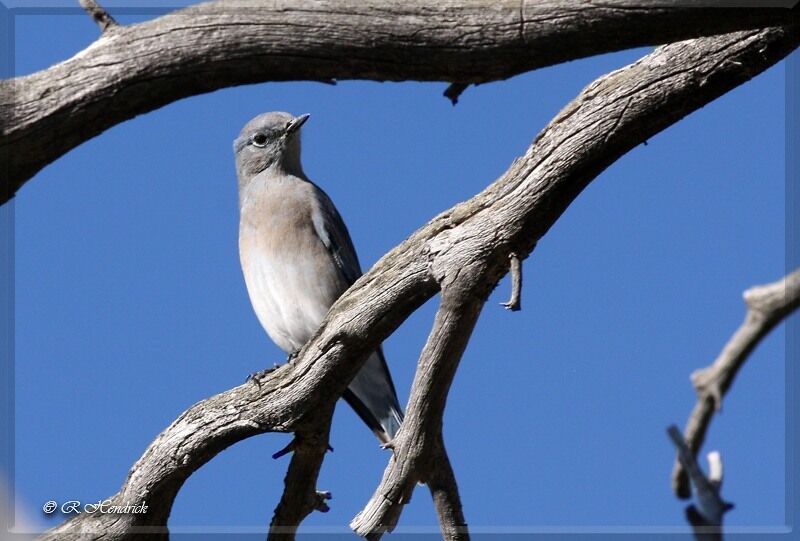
x=256 y=377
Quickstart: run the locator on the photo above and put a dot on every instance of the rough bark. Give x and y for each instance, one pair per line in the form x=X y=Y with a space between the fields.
x=300 y=496
x=135 y=69
x=419 y=453
x=469 y=243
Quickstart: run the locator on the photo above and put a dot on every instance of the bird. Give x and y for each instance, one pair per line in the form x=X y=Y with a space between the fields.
x=297 y=257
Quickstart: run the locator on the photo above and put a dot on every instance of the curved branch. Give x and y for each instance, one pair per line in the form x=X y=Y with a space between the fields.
x=139 y=68
x=611 y=116
x=767 y=305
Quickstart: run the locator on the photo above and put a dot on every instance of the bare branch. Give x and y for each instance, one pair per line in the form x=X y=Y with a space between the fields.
x=515 y=302
x=706 y=517
x=454 y=91
x=446 y=500
x=767 y=305
x=418 y=446
x=715 y=469
x=139 y=68
x=611 y=116
x=103 y=19
x=300 y=494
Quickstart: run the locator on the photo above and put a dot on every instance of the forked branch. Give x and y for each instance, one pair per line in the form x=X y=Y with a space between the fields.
x=767 y=305
x=419 y=452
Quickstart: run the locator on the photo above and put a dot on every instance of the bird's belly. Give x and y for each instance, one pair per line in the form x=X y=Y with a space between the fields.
x=291 y=291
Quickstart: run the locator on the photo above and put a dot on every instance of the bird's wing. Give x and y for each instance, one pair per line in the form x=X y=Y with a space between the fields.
x=371 y=393
x=330 y=228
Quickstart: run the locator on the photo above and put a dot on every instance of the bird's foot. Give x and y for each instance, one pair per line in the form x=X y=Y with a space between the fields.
x=292 y=356
x=256 y=377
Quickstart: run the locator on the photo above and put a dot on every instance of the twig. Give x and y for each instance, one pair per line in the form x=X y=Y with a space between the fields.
x=767 y=305
x=706 y=517
x=715 y=470
x=515 y=302
x=454 y=91
x=103 y=19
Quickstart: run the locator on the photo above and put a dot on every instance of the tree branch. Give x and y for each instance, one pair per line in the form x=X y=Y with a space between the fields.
x=300 y=495
x=446 y=500
x=138 y=68
x=767 y=305
x=611 y=116
x=706 y=517
x=418 y=446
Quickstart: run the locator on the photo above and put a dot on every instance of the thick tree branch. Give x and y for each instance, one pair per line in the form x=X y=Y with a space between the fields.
x=611 y=116
x=139 y=68
x=767 y=305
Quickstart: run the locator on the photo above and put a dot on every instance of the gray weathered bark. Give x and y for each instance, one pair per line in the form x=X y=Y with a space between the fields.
x=135 y=69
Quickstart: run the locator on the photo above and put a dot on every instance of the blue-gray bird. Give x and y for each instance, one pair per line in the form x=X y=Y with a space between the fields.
x=297 y=256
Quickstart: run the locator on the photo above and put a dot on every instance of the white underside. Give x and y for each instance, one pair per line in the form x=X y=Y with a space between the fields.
x=287 y=296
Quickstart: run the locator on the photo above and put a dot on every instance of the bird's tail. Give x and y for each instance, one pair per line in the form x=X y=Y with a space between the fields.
x=373 y=397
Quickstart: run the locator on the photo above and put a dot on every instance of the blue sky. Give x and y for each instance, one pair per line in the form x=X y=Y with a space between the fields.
x=130 y=303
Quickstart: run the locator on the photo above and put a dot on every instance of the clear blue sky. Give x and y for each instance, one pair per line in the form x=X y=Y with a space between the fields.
x=130 y=303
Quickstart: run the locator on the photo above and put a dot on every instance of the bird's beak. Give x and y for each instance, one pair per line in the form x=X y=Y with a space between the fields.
x=296 y=123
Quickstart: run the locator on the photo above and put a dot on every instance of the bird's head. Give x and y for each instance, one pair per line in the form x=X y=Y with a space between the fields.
x=269 y=140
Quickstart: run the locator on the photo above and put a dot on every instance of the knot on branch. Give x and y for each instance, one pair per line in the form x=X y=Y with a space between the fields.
x=320 y=499
x=707 y=385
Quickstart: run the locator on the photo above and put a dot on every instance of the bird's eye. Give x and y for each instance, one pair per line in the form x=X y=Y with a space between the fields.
x=259 y=139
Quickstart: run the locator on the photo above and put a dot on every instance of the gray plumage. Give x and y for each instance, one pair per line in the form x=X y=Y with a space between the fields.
x=297 y=256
